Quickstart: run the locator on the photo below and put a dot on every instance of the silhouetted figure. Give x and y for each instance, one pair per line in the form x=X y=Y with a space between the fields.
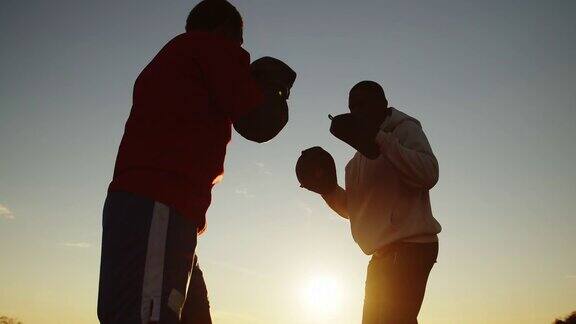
x=386 y=200
x=185 y=103
x=570 y=319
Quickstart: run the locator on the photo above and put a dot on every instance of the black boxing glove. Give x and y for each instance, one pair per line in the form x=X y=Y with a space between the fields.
x=273 y=73
x=275 y=79
x=359 y=130
x=316 y=171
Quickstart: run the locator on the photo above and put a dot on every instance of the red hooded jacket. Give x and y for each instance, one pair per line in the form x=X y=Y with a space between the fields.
x=184 y=103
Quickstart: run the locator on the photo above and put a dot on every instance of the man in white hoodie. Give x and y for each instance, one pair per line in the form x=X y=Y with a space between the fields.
x=386 y=200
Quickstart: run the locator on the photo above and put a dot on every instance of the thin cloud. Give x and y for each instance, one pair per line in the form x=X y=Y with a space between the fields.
x=572 y=277
x=5 y=213
x=305 y=207
x=262 y=168
x=244 y=192
x=79 y=245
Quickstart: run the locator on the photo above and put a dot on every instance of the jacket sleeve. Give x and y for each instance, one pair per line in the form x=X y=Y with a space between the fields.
x=230 y=83
x=407 y=148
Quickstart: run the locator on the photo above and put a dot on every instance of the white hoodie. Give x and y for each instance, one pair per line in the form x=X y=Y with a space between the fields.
x=387 y=198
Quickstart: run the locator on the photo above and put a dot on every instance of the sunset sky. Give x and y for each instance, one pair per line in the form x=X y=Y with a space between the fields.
x=493 y=83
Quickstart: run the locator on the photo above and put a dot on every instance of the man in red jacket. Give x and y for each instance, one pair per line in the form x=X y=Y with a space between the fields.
x=185 y=103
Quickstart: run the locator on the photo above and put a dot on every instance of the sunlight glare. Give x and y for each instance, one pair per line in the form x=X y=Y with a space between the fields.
x=322 y=294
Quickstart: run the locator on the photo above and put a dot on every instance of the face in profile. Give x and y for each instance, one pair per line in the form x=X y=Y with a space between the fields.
x=363 y=101
x=234 y=34
x=240 y=37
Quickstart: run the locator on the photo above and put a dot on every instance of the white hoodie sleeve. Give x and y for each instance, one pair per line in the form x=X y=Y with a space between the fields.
x=337 y=201
x=407 y=148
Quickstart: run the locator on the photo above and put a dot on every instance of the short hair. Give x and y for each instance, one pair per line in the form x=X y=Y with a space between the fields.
x=210 y=14
x=371 y=87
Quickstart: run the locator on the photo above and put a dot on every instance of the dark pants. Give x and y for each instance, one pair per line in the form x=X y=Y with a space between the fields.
x=396 y=282
x=148 y=256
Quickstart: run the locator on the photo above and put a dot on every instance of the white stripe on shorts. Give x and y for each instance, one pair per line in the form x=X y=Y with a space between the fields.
x=154 y=268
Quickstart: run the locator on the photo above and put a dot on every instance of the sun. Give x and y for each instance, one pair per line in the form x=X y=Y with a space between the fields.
x=322 y=294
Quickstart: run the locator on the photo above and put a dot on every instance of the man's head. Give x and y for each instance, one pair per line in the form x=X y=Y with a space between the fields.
x=367 y=97
x=216 y=16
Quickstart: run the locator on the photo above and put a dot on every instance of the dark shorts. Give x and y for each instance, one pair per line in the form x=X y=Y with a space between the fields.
x=396 y=283
x=149 y=271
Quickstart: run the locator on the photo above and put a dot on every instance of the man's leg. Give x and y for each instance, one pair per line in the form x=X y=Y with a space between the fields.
x=396 y=283
x=165 y=287
x=125 y=226
x=147 y=254
x=196 y=308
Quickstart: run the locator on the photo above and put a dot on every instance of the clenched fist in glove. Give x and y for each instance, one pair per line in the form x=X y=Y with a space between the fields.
x=316 y=170
x=273 y=73
x=359 y=130
x=275 y=79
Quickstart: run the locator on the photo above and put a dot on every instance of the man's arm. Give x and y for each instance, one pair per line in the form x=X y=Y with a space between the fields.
x=336 y=199
x=407 y=148
x=229 y=81
x=254 y=95
x=316 y=171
